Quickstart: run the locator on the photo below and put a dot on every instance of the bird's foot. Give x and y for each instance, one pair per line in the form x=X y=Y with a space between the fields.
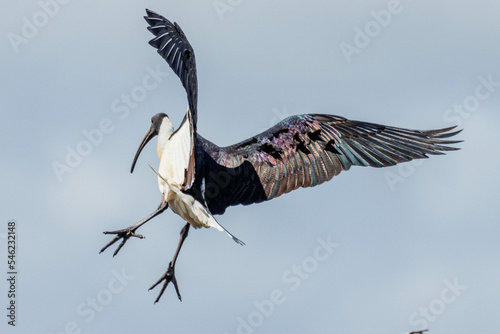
x=124 y=234
x=168 y=277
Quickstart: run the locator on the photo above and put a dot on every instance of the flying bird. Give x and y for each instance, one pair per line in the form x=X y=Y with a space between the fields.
x=198 y=179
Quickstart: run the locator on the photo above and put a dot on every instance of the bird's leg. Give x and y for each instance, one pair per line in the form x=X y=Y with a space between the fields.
x=169 y=275
x=128 y=232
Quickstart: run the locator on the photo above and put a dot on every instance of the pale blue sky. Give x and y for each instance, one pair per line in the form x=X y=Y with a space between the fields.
x=404 y=234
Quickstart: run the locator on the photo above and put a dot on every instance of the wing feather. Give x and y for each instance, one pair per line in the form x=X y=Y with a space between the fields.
x=174 y=47
x=307 y=150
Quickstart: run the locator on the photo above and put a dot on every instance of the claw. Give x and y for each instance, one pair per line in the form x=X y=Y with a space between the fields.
x=168 y=277
x=128 y=232
x=124 y=234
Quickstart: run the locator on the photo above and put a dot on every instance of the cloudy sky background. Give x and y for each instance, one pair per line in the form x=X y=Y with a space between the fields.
x=405 y=233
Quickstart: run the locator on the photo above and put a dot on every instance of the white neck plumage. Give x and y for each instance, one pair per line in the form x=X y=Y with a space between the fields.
x=166 y=130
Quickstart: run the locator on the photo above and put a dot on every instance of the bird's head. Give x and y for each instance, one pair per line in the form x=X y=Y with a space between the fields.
x=162 y=127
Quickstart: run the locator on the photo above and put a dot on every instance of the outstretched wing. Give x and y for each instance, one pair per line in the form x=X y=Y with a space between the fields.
x=174 y=47
x=304 y=151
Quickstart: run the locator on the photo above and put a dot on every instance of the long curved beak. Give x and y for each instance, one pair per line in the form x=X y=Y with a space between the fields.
x=150 y=135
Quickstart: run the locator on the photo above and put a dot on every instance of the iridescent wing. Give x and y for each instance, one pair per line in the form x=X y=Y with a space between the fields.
x=307 y=150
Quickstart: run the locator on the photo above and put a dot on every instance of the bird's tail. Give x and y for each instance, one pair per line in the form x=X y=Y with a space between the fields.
x=209 y=220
